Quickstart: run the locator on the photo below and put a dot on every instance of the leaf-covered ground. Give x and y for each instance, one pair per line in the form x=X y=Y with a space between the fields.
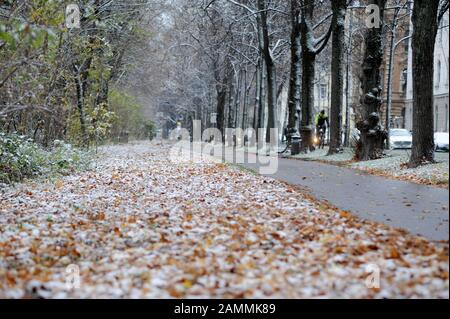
x=139 y=226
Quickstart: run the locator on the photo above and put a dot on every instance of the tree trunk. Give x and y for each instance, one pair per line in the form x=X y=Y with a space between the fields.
x=425 y=26
x=372 y=137
x=80 y=106
x=231 y=103
x=392 y=48
x=259 y=77
x=248 y=86
x=270 y=69
x=308 y=75
x=309 y=54
x=348 y=82
x=294 y=79
x=237 y=99
x=102 y=97
x=221 y=101
x=262 y=100
x=337 y=75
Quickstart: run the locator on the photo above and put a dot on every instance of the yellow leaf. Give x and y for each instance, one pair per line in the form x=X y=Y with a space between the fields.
x=187 y=284
x=59 y=184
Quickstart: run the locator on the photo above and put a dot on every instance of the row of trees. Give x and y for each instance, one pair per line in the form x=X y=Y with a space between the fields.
x=254 y=63
x=57 y=82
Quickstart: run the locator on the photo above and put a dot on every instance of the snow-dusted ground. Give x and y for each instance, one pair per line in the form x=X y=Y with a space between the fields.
x=394 y=165
x=390 y=166
x=139 y=226
x=321 y=155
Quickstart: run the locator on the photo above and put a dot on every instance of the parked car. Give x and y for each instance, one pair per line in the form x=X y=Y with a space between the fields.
x=400 y=139
x=441 y=141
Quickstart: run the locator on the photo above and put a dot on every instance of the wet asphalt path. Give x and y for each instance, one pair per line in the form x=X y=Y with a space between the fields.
x=420 y=209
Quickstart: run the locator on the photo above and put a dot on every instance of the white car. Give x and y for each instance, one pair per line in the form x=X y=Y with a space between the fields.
x=441 y=141
x=400 y=139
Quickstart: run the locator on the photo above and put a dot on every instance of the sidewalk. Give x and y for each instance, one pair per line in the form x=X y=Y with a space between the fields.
x=391 y=166
x=420 y=209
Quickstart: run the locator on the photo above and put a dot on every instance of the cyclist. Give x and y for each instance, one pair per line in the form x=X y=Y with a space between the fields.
x=322 y=123
x=321 y=120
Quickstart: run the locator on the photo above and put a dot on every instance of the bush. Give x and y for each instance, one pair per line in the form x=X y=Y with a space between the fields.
x=21 y=158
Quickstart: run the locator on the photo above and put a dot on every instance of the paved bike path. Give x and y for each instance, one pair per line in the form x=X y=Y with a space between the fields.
x=420 y=209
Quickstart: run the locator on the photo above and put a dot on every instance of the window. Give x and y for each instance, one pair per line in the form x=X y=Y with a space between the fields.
x=404 y=80
x=323 y=92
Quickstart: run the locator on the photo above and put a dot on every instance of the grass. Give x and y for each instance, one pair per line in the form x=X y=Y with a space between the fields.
x=21 y=158
x=242 y=168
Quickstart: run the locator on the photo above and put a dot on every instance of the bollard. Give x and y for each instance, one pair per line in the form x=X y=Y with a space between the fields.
x=296 y=141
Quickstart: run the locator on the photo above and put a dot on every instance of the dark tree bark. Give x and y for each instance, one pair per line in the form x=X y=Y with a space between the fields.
x=372 y=137
x=221 y=98
x=224 y=82
x=294 y=79
x=231 y=95
x=337 y=75
x=102 y=96
x=262 y=100
x=425 y=26
x=237 y=99
x=80 y=105
x=258 y=102
x=270 y=69
x=244 y=100
x=248 y=87
x=308 y=75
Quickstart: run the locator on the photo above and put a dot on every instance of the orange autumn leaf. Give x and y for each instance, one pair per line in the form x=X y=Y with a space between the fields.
x=345 y=214
x=117 y=231
x=394 y=253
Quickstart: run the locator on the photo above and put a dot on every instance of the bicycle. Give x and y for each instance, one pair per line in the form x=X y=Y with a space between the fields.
x=288 y=146
x=321 y=138
x=287 y=139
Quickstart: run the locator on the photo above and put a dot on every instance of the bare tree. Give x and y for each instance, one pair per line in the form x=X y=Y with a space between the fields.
x=372 y=137
x=311 y=47
x=426 y=17
x=295 y=71
x=337 y=73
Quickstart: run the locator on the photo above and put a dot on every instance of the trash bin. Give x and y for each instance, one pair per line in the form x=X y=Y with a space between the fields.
x=296 y=141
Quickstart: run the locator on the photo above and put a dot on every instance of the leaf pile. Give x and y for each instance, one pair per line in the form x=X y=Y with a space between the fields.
x=139 y=226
